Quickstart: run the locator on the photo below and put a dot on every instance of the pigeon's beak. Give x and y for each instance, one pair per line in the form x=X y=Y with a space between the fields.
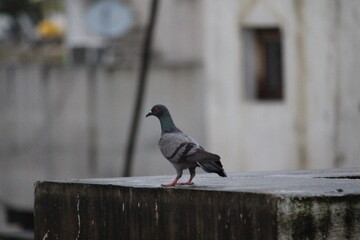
x=149 y=114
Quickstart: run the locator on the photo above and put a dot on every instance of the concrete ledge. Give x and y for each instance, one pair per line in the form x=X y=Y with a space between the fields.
x=320 y=204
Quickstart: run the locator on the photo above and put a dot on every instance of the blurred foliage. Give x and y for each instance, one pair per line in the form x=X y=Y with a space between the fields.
x=15 y=7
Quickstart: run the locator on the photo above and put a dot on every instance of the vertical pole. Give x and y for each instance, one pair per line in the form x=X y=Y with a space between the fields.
x=92 y=128
x=145 y=60
x=47 y=157
x=11 y=94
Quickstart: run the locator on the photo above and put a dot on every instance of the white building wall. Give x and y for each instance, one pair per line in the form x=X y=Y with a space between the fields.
x=179 y=31
x=178 y=37
x=348 y=95
x=303 y=131
x=321 y=53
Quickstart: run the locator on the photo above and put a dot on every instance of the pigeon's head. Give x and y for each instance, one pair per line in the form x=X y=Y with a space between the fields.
x=158 y=111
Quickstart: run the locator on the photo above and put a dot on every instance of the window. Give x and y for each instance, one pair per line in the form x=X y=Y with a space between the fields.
x=263 y=64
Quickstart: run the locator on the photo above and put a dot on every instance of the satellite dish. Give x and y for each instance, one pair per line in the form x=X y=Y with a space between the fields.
x=110 y=18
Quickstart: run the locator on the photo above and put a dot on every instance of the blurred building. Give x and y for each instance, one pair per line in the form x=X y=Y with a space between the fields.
x=72 y=120
x=112 y=29
x=265 y=84
x=283 y=83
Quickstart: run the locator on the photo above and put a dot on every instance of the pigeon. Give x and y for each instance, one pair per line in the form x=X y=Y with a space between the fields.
x=181 y=150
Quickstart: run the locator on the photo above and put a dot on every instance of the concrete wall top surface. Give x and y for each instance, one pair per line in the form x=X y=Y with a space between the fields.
x=327 y=182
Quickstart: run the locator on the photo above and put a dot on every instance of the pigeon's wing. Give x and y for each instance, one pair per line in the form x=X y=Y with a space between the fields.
x=209 y=162
x=180 y=148
x=174 y=146
x=200 y=155
x=215 y=167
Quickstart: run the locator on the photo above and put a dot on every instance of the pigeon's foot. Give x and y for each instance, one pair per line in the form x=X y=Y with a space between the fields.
x=174 y=183
x=187 y=183
x=177 y=184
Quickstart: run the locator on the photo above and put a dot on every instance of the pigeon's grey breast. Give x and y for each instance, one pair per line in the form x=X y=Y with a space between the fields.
x=175 y=146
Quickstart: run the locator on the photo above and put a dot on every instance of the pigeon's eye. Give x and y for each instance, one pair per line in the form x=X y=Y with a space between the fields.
x=155 y=109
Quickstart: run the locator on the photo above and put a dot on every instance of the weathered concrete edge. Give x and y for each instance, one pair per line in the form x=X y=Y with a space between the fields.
x=247 y=211
x=319 y=217
x=295 y=216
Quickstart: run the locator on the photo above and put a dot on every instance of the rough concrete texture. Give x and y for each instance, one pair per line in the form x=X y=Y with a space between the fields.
x=318 y=204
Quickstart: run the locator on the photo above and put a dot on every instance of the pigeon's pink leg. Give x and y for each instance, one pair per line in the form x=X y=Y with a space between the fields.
x=192 y=175
x=188 y=182
x=174 y=183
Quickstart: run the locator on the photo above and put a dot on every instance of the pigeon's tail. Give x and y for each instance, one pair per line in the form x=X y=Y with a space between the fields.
x=213 y=167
